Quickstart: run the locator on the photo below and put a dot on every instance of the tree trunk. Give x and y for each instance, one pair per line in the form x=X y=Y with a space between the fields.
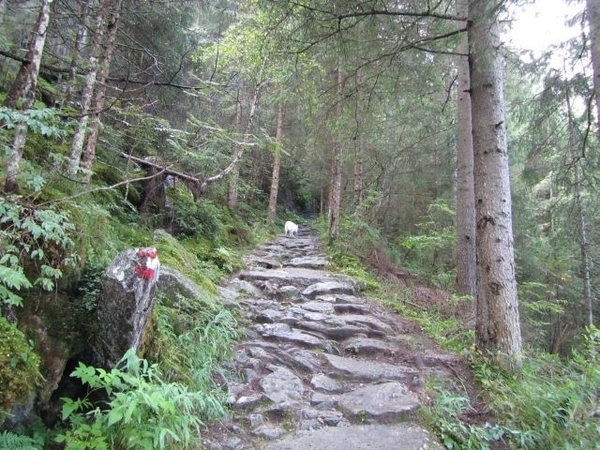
x=88 y=89
x=89 y=154
x=498 y=325
x=584 y=243
x=239 y=150
x=80 y=43
x=593 y=15
x=235 y=171
x=24 y=87
x=2 y=10
x=276 y=168
x=358 y=144
x=466 y=274
x=336 y=175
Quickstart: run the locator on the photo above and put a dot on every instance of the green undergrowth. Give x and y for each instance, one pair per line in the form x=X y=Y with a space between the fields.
x=552 y=403
x=19 y=367
x=446 y=330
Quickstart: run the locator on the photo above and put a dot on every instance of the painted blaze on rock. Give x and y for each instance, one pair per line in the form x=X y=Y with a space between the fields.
x=126 y=302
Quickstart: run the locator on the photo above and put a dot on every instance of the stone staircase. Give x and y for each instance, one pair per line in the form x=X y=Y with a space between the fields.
x=321 y=367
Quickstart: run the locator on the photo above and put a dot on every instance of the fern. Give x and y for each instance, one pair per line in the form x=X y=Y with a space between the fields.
x=13 y=441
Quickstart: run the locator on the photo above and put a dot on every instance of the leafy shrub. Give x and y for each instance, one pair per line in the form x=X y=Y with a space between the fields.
x=35 y=245
x=193 y=218
x=141 y=411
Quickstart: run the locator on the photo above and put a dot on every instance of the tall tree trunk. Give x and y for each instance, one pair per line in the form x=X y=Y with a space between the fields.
x=498 y=327
x=336 y=175
x=358 y=143
x=584 y=243
x=2 y=10
x=466 y=273
x=89 y=153
x=235 y=171
x=239 y=149
x=81 y=40
x=593 y=15
x=88 y=89
x=24 y=87
x=276 y=168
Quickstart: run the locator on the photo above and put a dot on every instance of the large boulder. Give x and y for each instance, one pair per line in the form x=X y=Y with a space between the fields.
x=126 y=302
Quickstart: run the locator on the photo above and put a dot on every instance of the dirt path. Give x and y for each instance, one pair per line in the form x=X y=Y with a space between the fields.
x=321 y=367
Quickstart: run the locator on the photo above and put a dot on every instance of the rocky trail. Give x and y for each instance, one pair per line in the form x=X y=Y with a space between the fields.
x=321 y=367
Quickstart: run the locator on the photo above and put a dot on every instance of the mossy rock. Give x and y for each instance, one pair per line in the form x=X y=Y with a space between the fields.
x=19 y=366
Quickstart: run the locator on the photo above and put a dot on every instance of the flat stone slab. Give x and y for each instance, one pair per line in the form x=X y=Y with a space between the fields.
x=282 y=386
x=387 y=401
x=369 y=370
x=368 y=346
x=320 y=307
x=328 y=287
x=309 y=262
x=283 y=332
x=295 y=275
x=360 y=437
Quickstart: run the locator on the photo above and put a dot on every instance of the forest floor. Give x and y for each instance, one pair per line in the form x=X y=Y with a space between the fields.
x=323 y=366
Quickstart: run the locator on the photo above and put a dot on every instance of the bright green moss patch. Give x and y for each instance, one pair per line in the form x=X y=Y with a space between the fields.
x=19 y=366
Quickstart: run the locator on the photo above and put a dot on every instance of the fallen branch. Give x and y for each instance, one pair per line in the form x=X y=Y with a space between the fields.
x=163 y=169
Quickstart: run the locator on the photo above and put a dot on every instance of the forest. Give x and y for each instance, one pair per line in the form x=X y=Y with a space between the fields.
x=417 y=141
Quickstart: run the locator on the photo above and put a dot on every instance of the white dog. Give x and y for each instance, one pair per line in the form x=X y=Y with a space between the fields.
x=291 y=228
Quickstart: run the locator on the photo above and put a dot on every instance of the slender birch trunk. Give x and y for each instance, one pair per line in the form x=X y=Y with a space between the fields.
x=81 y=40
x=276 y=168
x=88 y=90
x=498 y=326
x=239 y=149
x=466 y=273
x=2 y=10
x=24 y=88
x=89 y=153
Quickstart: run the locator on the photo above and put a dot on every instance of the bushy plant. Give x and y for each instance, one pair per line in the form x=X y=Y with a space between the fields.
x=193 y=218
x=14 y=441
x=444 y=417
x=141 y=411
x=551 y=404
x=35 y=246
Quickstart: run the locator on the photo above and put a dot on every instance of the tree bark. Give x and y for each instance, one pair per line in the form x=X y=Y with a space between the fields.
x=2 y=10
x=358 y=143
x=89 y=153
x=239 y=150
x=81 y=40
x=584 y=243
x=498 y=327
x=466 y=278
x=336 y=176
x=88 y=90
x=24 y=87
x=593 y=16
x=276 y=168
